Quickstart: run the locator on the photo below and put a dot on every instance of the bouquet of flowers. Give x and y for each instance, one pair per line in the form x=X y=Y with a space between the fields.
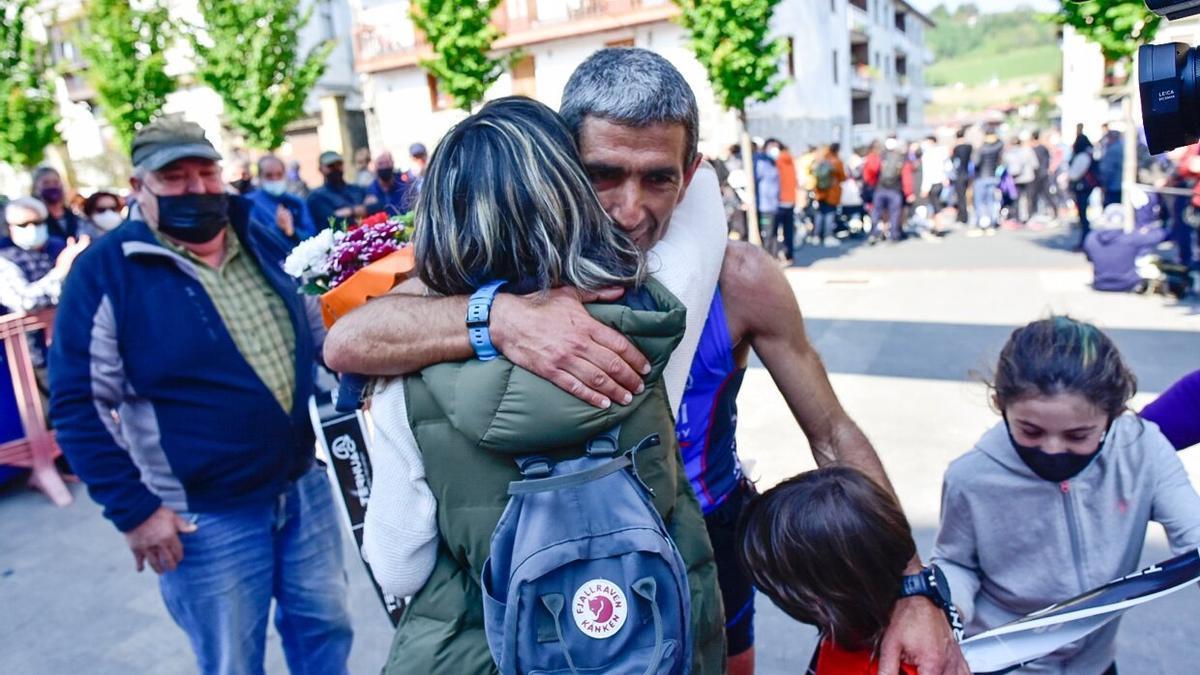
x=347 y=265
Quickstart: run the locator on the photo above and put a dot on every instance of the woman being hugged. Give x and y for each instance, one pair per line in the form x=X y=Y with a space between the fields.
x=1054 y=500
x=506 y=199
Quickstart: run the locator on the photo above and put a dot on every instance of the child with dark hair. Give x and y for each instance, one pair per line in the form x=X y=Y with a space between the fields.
x=829 y=547
x=1054 y=500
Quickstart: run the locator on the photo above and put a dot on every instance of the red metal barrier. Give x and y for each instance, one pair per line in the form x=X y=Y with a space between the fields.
x=37 y=450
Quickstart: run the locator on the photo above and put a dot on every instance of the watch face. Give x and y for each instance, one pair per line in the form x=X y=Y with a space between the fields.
x=941 y=587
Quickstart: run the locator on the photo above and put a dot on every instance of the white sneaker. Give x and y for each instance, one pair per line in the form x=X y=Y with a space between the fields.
x=831 y=242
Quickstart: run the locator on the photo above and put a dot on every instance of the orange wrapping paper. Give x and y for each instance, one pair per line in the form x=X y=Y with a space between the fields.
x=371 y=281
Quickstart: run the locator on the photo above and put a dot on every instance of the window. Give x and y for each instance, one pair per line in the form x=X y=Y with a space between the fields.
x=791 y=58
x=901 y=21
x=860 y=110
x=902 y=111
x=437 y=100
x=833 y=6
x=835 y=66
x=524 y=77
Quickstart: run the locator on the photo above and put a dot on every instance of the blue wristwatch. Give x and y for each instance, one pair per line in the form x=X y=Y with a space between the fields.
x=479 y=315
x=931 y=583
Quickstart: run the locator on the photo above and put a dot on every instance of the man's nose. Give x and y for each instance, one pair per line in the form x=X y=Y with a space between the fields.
x=195 y=184
x=626 y=209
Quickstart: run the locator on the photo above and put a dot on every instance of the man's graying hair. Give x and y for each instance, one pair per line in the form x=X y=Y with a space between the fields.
x=632 y=87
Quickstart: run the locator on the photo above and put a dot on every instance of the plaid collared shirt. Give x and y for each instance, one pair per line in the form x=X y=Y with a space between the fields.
x=254 y=315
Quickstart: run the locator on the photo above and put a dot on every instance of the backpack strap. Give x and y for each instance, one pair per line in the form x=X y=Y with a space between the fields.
x=537 y=469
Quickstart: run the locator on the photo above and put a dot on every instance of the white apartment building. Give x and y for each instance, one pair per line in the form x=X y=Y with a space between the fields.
x=817 y=104
x=333 y=119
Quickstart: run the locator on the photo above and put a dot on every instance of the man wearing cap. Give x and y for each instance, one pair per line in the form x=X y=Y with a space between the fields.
x=418 y=159
x=180 y=370
x=337 y=201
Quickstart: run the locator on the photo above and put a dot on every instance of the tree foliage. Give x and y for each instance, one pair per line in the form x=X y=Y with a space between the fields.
x=966 y=31
x=1119 y=27
x=461 y=35
x=729 y=38
x=28 y=113
x=248 y=52
x=125 y=49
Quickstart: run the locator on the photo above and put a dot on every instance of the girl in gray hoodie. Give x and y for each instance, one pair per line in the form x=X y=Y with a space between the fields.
x=1054 y=500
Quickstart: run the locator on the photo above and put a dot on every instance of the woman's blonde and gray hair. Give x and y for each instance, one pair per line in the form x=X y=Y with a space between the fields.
x=505 y=198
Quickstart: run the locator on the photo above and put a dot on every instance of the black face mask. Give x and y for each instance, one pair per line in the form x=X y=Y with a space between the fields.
x=1055 y=468
x=193 y=218
x=385 y=174
x=335 y=180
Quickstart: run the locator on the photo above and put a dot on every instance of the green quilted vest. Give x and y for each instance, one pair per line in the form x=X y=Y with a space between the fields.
x=470 y=419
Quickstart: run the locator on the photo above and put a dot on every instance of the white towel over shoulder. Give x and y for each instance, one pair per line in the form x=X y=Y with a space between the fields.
x=400 y=533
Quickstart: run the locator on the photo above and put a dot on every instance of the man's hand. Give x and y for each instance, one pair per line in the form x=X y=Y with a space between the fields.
x=556 y=339
x=70 y=253
x=283 y=219
x=919 y=635
x=157 y=540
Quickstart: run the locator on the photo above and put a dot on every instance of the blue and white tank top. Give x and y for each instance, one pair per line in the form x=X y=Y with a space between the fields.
x=707 y=416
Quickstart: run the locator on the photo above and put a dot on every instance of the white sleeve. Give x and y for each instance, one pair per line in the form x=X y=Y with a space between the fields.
x=400 y=533
x=687 y=260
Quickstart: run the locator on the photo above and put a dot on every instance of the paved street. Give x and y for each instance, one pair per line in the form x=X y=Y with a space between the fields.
x=906 y=330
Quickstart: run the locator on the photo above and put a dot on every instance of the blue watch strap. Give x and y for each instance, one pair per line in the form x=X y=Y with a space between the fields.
x=479 y=315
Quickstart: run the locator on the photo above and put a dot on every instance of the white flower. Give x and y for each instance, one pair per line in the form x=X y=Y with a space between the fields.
x=310 y=257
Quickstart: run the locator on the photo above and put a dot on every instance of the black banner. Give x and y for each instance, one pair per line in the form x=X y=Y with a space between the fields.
x=343 y=439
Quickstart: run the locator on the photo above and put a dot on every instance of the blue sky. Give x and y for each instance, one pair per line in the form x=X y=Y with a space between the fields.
x=988 y=5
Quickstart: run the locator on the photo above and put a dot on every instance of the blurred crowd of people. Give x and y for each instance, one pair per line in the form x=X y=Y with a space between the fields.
x=978 y=179
x=44 y=232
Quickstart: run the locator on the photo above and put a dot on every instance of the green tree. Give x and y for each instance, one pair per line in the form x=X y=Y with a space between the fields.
x=461 y=35
x=1119 y=27
x=730 y=39
x=248 y=52
x=28 y=113
x=125 y=49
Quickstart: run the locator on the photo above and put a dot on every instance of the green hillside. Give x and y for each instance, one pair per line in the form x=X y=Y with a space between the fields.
x=974 y=48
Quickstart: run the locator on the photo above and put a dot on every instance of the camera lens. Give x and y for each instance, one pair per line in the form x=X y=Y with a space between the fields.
x=1170 y=104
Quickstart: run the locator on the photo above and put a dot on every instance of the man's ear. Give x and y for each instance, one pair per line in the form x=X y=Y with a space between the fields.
x=688 y=174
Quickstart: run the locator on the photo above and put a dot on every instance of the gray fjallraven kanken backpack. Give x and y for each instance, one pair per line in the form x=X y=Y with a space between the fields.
x=582 y=576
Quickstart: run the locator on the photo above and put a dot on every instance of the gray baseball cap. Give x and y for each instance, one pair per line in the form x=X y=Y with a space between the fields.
x=167 y=139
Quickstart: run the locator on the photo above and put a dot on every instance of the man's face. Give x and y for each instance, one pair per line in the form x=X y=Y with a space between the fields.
x=638 y=173
x=183 y=176
x=270 y=170
x=336 y=169
x=384 y=161
x=48 y=181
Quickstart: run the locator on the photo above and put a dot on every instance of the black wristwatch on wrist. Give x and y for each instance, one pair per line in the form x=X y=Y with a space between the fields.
x=931 y=583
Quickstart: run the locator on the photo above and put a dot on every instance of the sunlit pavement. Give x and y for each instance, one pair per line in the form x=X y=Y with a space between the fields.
x=906 y=331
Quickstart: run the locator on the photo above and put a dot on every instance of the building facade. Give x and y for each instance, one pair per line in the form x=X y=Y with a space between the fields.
x=88 y=154
x=816 y=105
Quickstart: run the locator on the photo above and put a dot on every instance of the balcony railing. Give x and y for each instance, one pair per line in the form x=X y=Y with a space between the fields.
x=397 y=43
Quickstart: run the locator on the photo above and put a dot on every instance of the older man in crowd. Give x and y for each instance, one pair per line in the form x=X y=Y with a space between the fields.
x=180 y=371
x=274 y=204
x=338 y=201
x=48 y=187
x=395 y=191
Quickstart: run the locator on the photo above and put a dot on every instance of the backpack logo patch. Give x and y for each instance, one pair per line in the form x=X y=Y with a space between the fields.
x=599 y=608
